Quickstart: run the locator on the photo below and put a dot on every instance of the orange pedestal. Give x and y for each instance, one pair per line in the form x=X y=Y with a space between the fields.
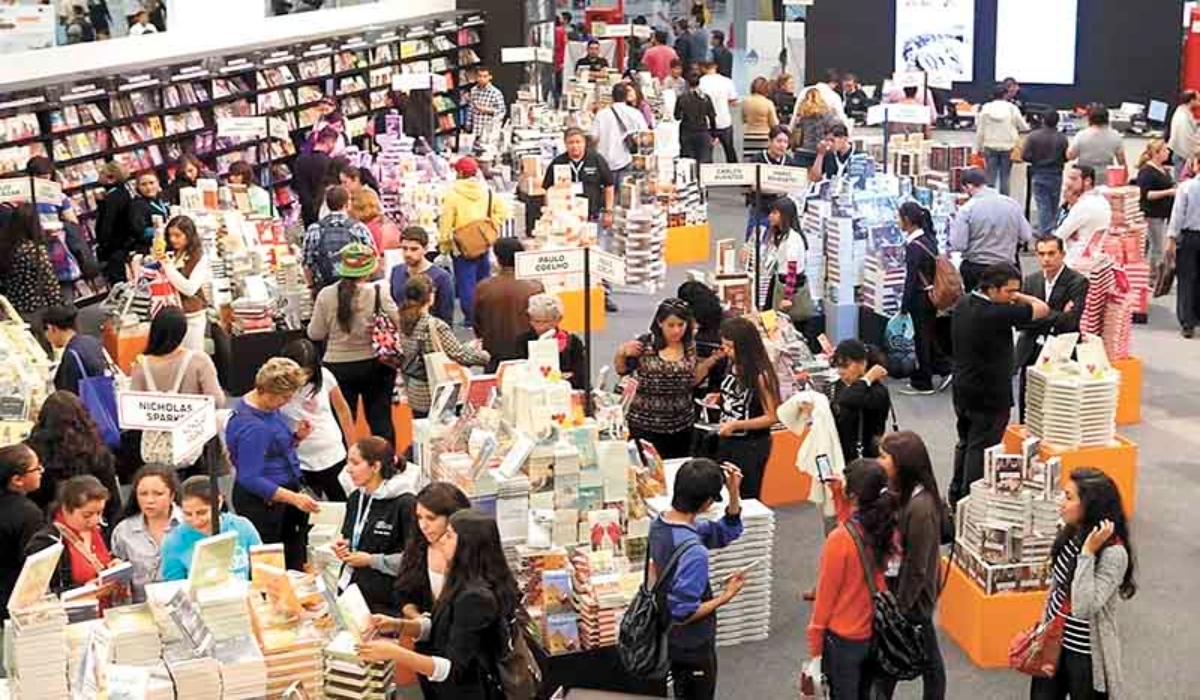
x=572 y=300
x=688 y=244
x=1118 y=461
x=402 y=418
x=1129 y=397
x=783 y=483
x=984 y=625
x=125 y=347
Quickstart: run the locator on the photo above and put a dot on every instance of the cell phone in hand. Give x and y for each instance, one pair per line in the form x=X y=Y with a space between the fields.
x=824 y=469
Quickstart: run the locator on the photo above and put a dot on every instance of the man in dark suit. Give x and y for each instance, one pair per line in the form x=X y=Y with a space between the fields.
x=1064 y=290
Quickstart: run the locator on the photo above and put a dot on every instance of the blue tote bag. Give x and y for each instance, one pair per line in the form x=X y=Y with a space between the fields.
x=99 y=396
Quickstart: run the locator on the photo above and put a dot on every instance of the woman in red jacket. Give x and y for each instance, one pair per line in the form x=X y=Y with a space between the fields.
x=839 y=632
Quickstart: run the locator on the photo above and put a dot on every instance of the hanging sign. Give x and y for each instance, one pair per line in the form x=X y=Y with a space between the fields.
x=727 y=174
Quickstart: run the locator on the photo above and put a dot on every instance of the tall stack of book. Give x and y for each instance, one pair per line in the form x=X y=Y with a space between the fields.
x=243 y=669
x=134 y=639
x=748 y=617
x=641 y=239
x=883 y=282
x=840 y=274
x=687 y=206
x=291 y=646
x=1072 y=403
x=35 y=650
x=349 y=677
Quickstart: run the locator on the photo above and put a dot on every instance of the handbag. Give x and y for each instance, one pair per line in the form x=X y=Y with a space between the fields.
x=99 y=396
x=1035 y=651
x=897 y=647
x=157 y=445
x=384 y=336
x=474 y=239
x=439 y=367
x=1164 y=278
x=628 y=139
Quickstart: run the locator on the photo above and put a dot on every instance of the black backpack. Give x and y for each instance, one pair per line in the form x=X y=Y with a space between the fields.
x=897 y=648
x=642 y=642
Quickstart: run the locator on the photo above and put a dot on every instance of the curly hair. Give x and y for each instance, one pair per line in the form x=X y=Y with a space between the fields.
x=66 y=440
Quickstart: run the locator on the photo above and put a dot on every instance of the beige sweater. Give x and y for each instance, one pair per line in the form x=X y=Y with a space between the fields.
x=758 y=114
x=199 y=376
x=355 y=345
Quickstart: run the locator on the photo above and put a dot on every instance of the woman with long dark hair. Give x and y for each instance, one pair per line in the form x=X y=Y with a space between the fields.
x=749 y=398
x=786 y=257
x=843 y=613
x=915 y=584
x=1093 y=565
x=706 y=307
x=67 y=442
x=27 y=277
x=920 y=261
x=150 y=513
x=344 y=316
x=321 y=405
x=665 y=365
x=187 y=268
x=422 y=572
x=468 y=629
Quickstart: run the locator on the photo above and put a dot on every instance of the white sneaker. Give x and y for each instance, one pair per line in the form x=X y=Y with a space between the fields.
x=946 y=382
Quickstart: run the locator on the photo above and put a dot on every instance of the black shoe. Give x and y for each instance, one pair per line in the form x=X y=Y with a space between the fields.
x=917 y=391
x=610 y=306
x=947 y=380
x=1189 y=332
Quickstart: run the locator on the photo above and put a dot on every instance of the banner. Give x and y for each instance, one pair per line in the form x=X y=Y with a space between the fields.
x=937 y=36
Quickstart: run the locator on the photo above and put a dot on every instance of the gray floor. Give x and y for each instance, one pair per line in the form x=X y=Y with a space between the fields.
x=1160 y=643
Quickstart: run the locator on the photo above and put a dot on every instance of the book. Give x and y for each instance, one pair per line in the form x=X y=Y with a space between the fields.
x=34 y=580
x=212 y=561
x=355 y=613
x=1008 y=473
x=268 y=555
x=562 y=633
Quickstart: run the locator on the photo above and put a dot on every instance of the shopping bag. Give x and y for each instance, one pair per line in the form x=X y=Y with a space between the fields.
x=901 y=347
x=99 y=396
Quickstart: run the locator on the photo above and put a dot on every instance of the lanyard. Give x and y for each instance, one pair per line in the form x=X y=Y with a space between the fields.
x=360 y=521
x=575 y=168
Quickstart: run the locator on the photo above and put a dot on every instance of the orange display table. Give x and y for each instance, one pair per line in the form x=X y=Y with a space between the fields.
x=1129 y=396
x=984 y=625
x=402 y=422
x=124 y=347
x=1118 y=461
x=572 y=300
x=688 y=244
x=784 y=484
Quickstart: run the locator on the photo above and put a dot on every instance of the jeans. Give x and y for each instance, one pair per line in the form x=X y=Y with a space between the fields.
x=374 y=382
x=325 y=482
x=725 y=136
x=1047 y=192
x=933 y=680
x=1187 y=278
x=696 y=144
x=1156 y=241
x=1072 y=679
x=847 y=668
x=978 y=429
x=468 y=274
x=999 y=168
x=276 y=523
x=695 y=677
x=931 y=357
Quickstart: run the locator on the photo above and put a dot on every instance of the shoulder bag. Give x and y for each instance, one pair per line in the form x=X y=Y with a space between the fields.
x=1035 y=652
x=947 y=285
x=897 y=647
x=384 y=336
x=99 y=396
x=474 y=239
x=157 y=444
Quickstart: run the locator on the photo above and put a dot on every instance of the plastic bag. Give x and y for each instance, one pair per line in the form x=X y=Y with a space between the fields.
x=901 y=347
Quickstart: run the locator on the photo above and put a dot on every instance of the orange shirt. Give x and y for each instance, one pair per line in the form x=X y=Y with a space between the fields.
x=843 y=604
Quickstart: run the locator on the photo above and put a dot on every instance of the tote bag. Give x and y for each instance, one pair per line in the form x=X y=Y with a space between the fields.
x=99 y=396
x=439 y=367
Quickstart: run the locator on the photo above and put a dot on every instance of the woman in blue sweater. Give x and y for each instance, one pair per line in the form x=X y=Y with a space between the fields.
x=262 y=447
x=197 y=524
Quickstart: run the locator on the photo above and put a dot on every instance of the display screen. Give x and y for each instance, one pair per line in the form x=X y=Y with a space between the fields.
x=937 y=36
x=1158 y=111
x=1041 y=51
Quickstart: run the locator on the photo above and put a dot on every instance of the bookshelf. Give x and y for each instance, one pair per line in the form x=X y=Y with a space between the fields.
x=148 y=121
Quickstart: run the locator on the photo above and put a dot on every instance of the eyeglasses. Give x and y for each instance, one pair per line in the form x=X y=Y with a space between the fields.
x=36 y=470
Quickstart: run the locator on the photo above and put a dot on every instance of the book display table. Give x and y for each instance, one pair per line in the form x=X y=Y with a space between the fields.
x=688 y=244
x=238 y=357
x=784 y=484
x=572 y=300
x=1129 y=396
x=1118 y=460
x=984 y=625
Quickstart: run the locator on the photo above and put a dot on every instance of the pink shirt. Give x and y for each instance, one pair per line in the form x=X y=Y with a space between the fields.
x=657 y=60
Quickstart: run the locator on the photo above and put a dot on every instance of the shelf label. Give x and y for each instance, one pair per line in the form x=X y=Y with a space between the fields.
x=727 y=174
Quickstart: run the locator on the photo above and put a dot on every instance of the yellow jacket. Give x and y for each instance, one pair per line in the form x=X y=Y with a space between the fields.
x=466 y=202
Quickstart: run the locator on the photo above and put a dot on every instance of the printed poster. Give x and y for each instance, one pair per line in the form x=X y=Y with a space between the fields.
x=937 y=36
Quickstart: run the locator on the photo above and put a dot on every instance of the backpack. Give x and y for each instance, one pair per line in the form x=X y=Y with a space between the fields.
x=334 y=235
x=475 y=238
x=947 y=287
x=897 y=648
x=157 y=444
x=519 y=674
x=642 y=640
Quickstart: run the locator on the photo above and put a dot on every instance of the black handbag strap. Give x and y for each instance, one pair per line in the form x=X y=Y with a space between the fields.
x=867 y=565
x=378 y=304
x=668 y=572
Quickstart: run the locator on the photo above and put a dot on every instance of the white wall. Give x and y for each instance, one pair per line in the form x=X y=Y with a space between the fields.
x=197 y=28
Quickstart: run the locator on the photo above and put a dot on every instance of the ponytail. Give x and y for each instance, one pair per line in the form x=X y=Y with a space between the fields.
x=417 y=292
x=867 y=486
x=1153 y=148
x=346 y=288
x=919 y=216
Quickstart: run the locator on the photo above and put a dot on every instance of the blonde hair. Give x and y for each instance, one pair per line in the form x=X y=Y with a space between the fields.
x=364 y=205
x=1153 y=148
x=813 y=104
x=279 y=377
x=112 y=173
x=545 y=306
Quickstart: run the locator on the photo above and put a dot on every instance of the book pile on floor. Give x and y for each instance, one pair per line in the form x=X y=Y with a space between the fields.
x=747 y=618
x=1007 y=526
x=883 y=280
x=641 y=237
x=1125 y=243
x=841 y=275
x=1071 y=403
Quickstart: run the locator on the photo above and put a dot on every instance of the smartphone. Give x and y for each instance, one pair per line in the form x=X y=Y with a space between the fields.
x=824 y=469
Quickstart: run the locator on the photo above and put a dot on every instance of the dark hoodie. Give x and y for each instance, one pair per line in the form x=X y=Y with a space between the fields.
x=389 y=519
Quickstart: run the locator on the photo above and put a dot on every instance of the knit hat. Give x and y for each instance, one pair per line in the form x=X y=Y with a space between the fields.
x=358 y=260
x=466 y=167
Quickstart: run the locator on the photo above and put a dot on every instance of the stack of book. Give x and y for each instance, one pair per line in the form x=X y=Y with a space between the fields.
x=195 y=677
x=883 y=283
x=347 y=676
x=243 y=670
x=840 y=273
x=1071 y=407
x=1102 y=285
x=78 y=636
x=687 y=206
x=35 y=650
x=641 y=240
x=223 y=609
x=512 y=508
x=251 y=316
x=748 y=617
x=291 y=646
x=134 y=639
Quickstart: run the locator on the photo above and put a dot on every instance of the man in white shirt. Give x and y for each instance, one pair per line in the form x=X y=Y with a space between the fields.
x=612 y=125
x=1088 y=211
x=723 y=94
x=1184 y=130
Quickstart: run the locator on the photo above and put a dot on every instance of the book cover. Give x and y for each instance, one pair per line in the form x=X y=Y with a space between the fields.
x=212 y=561
x=1008 y=473
x=994 y=542
x=355 y=612
x=556 y=591
x=562 y=633
x=34 y=580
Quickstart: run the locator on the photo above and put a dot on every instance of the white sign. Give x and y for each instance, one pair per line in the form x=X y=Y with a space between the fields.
x=19 y=190
x=608 y=267
x=145 y=410
x=909 y=78
x=243 y=128
x=198 y=427
x=610 y=31
x=792 y=3
x=549 y=263
x=940 y=81
x=899 y=114
x=520 y=54
x=412 y=81
x=727 y=174
x=782 y=179
x=642 y=31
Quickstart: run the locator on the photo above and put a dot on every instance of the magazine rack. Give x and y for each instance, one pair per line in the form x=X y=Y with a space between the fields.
x=1118 y=461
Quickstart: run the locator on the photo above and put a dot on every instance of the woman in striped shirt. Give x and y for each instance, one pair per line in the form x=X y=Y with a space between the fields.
x=1093 y=564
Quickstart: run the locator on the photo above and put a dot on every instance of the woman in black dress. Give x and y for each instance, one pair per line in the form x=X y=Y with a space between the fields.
x=749 y=398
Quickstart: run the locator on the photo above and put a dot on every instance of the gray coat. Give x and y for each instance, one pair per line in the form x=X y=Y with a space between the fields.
x=1094 y=598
